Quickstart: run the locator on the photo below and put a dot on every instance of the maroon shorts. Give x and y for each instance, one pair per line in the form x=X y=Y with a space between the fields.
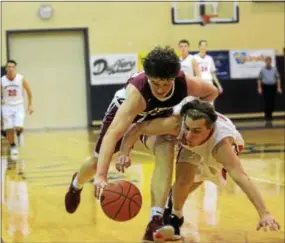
x=108 y=118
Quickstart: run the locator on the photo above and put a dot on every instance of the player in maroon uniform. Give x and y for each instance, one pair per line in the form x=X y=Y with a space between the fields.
x=147 y=95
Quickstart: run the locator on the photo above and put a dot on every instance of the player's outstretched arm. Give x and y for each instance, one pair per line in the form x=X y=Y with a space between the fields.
x=224 y=154
x=131 y=107
x=198 y=88
x=159 y=126
x=217 y=82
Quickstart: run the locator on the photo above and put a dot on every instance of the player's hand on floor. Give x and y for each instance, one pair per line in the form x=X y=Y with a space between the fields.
x=100 y=182
x=268 y=222
x=123 y=162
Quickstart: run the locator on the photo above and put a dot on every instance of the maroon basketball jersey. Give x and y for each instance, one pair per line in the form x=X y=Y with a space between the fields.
x=155 y=107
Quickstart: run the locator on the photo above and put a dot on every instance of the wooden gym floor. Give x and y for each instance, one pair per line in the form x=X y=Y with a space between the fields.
x=33 y=203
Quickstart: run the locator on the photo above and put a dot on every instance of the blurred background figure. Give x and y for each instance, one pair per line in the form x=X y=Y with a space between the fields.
x=268 y=85
x=13 y=85
x=188 y=62
x=207 y=65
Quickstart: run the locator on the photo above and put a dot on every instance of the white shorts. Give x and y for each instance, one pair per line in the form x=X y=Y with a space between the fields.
x=216 y=174
x=203 y=172
x=13 y=116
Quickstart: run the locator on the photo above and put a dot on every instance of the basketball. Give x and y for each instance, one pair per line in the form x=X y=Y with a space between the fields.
x=121 y=200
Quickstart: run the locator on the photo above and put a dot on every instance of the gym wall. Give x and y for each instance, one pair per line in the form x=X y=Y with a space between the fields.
x=125 y=27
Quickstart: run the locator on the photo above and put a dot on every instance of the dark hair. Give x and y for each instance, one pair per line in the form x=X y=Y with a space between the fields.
x=161 y=63
x=201 y=41
x=184 y=41
x=11 y=61
x=197 y=110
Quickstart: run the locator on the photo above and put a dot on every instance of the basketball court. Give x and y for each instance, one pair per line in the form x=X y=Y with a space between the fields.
x=33 y=209
x=34 y=186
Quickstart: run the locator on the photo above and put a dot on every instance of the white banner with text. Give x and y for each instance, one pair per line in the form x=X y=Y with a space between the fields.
x=248 y=63
x=112 y=68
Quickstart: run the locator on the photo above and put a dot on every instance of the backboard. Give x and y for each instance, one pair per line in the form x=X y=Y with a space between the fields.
x=192 y=12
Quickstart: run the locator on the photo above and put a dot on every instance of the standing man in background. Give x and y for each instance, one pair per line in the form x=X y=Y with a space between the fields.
x=268 y=83
x=207 y=66
x=13 y=111
x=188 y=62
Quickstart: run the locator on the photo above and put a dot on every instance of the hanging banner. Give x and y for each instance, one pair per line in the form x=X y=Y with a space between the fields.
x=112 y=68
x=222 y=63
x=248 y=63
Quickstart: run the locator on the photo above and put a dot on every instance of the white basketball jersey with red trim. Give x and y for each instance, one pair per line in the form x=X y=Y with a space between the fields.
x=12 y=90
x=206 y=66
x=187 y=65
x=223 y=128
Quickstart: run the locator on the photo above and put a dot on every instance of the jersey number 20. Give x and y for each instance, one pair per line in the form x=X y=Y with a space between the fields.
x=12 y=92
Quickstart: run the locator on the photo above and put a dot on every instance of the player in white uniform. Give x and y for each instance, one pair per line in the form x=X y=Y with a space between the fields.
x=208 y=142
x=208 y=74
x=13 y=111
x=188 y=62
x=207 y=66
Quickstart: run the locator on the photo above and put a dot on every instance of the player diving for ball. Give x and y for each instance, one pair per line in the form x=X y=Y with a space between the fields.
x=146 y=95
x=208 y=149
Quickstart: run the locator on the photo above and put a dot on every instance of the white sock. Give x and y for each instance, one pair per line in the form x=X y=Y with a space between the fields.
x=178 y=213
x=156 y=211
x=76 y=184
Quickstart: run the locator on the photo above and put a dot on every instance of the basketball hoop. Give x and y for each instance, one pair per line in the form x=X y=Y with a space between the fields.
x=206 y=19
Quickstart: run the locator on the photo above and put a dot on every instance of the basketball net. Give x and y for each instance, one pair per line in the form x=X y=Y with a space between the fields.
x=206 y=19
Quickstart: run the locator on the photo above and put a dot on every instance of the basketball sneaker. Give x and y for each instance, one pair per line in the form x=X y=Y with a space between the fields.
x=157 y=231
x=176 y=223
x=72 y=197
x=171 y=219
x=168 y=209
